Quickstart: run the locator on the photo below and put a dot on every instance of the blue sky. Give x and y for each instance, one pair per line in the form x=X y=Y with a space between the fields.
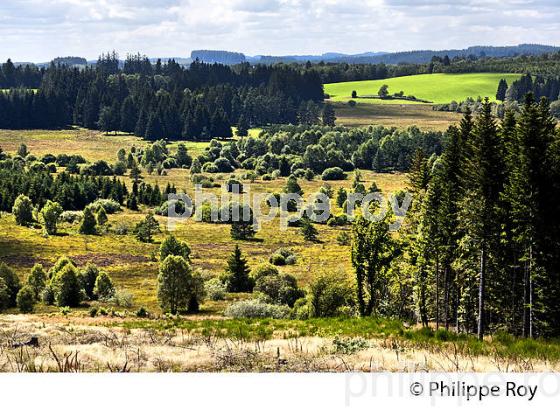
x=36 y=30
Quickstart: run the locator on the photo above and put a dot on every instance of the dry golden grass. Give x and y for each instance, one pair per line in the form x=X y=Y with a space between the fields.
x=395 y=115
x=100 y=346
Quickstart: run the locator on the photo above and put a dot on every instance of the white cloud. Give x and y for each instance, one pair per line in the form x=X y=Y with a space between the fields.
x=36 y=30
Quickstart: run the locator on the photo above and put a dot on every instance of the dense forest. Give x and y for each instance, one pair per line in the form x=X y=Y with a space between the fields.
x=480 y=247
x=157 y=100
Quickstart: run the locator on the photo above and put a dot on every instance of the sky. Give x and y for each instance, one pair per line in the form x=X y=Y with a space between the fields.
x=39 y=30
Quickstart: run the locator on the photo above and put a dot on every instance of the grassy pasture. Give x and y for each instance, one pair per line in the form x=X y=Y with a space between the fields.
x=438 y=88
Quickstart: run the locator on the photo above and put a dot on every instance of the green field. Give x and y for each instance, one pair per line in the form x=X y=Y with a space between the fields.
x=437 y=88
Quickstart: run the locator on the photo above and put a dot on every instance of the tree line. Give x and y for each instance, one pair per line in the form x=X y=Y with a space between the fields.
x=162 y=100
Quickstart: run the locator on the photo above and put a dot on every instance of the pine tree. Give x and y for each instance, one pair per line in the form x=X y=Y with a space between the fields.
x=237 y=273
x=502 y=89
x=308 y=231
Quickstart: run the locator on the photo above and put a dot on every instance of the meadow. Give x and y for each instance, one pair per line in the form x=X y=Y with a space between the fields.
x=130 y=262
x=437 y=88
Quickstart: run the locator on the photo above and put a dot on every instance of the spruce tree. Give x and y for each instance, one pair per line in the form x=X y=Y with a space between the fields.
x=237 y=273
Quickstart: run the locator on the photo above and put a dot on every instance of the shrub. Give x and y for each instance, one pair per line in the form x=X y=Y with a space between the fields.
x=4 y=295
x=343 y=239
x=49 y=216
x=23 y=210
x=279 y=289
x=111 y=206
x=256 y=309
x=328 y=294
x=71 y=216
x=101 y=216
x=122 y=298
x=142 y=312
x=282 y=256
x=277 y=259
x=179 y=207
x=171 y=246
x=210 y=168
x=67 y=287
x=349 y=345
x=264 y=269
x=48 y=159
x=93 y=311
x=60 y=264
x=26 y=299
x=223 y=165
x=12 y=283
x=88 y=225
x=47 y=295
x=333 y=174
x=104 y=288
x=121 y=228
x=234 y=186
x=37 y=279
x=215 y=289
x=145 y=229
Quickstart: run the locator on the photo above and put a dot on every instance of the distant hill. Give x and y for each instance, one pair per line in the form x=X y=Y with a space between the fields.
x=70 y=61
x=411 y=57
x=218 y=56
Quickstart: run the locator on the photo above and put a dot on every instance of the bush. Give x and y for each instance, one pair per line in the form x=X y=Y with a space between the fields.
x=264 y=269
x=60 y=264
x=215 y=289
x=23 y=210
x=37 y=279
x=49 y=216
x=343 y=239
x=279 y=289
x=26 y=299
x=67 y=287
x=223 y=165
x=349 y=345
x=88 y=225
x=12 y=283
x=179 y=207
x=277 y=259
x=122 y=298
x=333 y=174
x=111 y=206
x=104 y=288
x=4 y=295
x=328 y=294
x=71 y=216
x=256 y=309
x=121 y=228
x=101 y=217
x=283 y=256
x=171 y=246
x=47 y=295
x=142 y=312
